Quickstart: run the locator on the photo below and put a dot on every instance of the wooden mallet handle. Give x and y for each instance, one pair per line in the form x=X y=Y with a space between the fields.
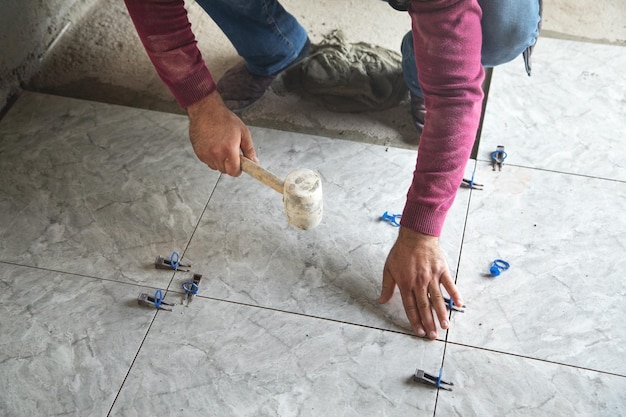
x=263 y=175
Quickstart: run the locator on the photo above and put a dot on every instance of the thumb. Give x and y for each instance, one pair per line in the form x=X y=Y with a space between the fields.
x=388 y=287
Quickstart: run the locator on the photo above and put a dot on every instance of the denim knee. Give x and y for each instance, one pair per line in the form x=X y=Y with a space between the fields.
x=508 y=27
x=262 y=32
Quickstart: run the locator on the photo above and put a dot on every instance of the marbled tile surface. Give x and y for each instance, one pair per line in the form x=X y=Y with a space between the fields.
x=97 y=189
x=66 y=342
x=569 y=116
x=562 y=298
x=251 y=255
x=222 y=359
x=494 y=384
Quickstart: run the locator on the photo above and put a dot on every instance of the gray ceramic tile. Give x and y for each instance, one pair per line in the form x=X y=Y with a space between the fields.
x=562 y=298
x=224 y=359
x=569 y=116
x=66 y=342
x=251 y=255
x=97 y=189
x=494 y=384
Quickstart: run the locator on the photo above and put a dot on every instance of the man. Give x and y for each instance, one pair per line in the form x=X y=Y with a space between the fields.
x=446 y=43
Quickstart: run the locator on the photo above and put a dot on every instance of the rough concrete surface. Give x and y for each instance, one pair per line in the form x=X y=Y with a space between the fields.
x=103 y=60
x=100 y=58
x=28 y=29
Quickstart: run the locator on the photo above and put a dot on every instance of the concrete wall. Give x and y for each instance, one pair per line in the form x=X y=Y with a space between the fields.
x=28 y=29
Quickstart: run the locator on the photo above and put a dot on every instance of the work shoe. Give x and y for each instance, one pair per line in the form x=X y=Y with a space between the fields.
x=240 y=88
x=418 y=112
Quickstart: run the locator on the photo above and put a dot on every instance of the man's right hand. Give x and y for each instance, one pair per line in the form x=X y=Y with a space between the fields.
x=217 y=135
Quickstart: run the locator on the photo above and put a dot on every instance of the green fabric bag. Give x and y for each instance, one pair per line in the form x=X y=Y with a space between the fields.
x=349 y=77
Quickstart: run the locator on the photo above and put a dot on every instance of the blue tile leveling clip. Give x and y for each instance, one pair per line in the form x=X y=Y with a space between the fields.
x=172 y=263
x=391 y=218
x=156 y=301
x=436 y=381
x=498 y=266
x=497 y=157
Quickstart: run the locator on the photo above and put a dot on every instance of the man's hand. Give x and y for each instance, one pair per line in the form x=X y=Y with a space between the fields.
x=217 y=134
x=416 y=264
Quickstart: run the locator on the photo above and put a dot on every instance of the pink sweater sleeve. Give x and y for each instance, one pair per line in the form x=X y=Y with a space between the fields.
x=447 y=38
x=165 y=31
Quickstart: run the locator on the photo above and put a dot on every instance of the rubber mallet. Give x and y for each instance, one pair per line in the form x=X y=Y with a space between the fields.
x=301 y=191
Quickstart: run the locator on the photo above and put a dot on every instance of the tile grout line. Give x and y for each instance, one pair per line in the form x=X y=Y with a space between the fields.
x=145 y=336
x=195 y=229
x=443 y=360
x=58 y=271
x=458 y=265
x=167 y=290
x=309 y=316
x=593 y=177
x=518 y=355
x=467 y=213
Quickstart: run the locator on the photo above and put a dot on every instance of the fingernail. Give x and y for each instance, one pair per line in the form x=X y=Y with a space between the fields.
x=432 y=335
x=421 y=332
x=445 y=324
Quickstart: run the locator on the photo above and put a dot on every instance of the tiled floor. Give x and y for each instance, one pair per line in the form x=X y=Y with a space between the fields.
x=286 y=322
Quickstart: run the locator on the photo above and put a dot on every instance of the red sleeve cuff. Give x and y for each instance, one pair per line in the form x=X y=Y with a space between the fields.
x=193 y=88
x=423 y=219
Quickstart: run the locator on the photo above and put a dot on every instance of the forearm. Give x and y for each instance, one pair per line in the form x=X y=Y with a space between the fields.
x=447 y=39
x=165 y=31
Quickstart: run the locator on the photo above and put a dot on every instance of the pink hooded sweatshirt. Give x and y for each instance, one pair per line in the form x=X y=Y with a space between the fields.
x=447 y=37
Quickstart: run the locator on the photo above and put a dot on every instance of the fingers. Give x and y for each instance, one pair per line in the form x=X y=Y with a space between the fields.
x=413 y=312
x=247 y=147
x=413 y=280
x=408 y=300
x=226 y=164
x=438 y=304
x=241 y=139
x=225 y=156
x=232 y=166
x=388 y=287
x=426 y=313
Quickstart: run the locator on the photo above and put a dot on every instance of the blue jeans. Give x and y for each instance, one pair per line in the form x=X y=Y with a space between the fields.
x=508 y=26
x=263 y=33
